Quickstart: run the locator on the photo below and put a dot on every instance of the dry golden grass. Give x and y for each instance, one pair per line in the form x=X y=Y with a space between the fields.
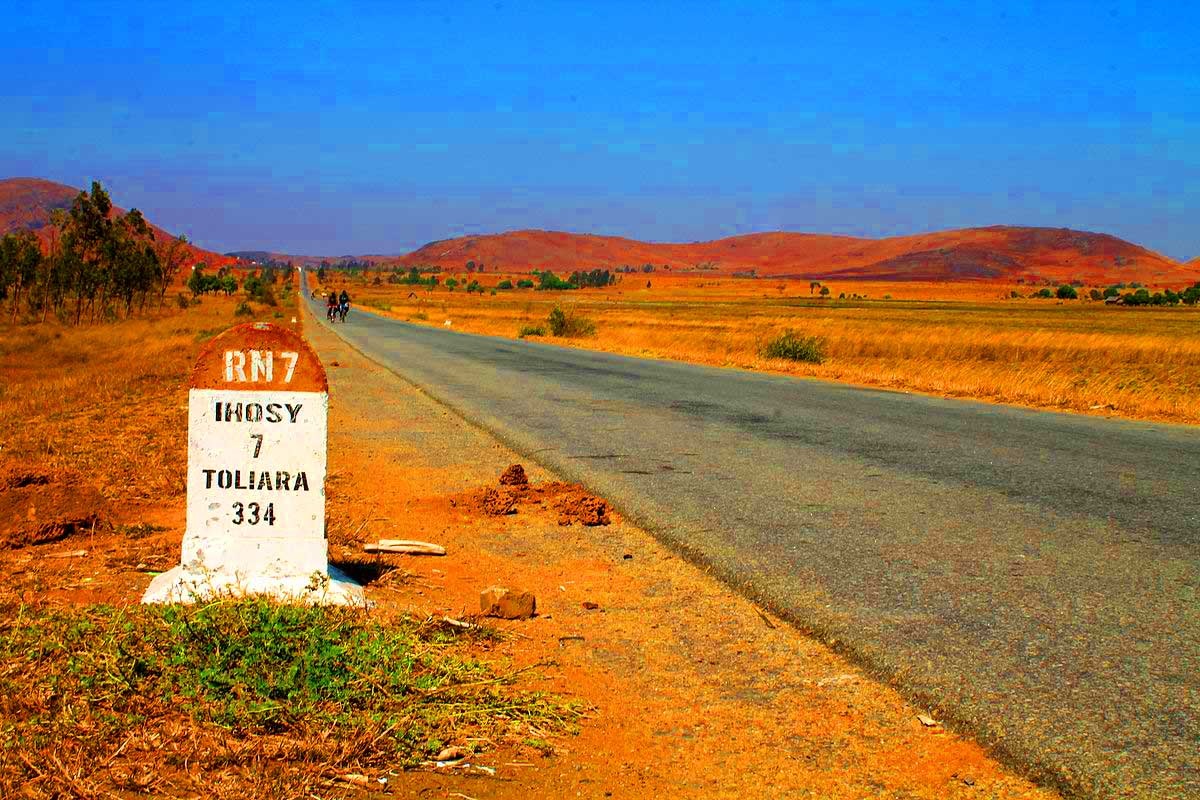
x=108 y=401
x=960 y=340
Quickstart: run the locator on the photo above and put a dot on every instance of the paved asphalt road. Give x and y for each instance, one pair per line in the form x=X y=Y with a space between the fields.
x=1030 y=576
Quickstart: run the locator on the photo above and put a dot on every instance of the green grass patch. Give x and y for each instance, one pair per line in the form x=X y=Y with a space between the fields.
x=531 y=330
x=794 y=346
x=78 y=681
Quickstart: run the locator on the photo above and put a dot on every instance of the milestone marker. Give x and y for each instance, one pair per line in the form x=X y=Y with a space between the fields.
x=257 y=432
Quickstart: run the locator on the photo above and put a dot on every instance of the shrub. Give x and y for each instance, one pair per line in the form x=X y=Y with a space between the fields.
x=531 y=330
x=1096 y=294
x=793 y=346
x=524 y=283
x=243 y=310
x=1044 y=294
x=1067 y=292
x=568 y=324
x=182 y=300
x=1141 y=297
x=1015 y=295
x=504 y=284
x=548 y=280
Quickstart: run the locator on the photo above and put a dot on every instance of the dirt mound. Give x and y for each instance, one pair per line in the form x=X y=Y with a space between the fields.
x=570 y=501
x=496 y=504
x=514 y=476
x=36 y=508
x=573 y=505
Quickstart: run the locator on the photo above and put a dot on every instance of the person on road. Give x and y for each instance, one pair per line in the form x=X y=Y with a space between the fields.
x=344 y=304
x=331 y=305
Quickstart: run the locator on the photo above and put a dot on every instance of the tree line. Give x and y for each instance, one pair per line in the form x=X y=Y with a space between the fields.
x=96 y=263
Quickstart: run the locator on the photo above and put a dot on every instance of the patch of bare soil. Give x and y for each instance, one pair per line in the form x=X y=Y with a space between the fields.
x=38 y=508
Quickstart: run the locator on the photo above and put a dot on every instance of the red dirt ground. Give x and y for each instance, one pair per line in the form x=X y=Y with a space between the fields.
x=36 y=508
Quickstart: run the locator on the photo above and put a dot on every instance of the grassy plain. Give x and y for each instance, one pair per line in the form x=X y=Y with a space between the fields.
x=969 y=340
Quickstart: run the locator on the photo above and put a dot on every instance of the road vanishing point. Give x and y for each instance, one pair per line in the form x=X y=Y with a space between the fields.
x=1029 y=576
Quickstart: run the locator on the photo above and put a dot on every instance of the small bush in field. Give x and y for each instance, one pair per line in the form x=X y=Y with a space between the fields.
x=794 y=346
x=531 y=330
x=243 y=310
x=568 y=324
x=182 y=300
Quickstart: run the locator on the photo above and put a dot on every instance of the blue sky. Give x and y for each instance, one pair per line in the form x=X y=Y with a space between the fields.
x=375 y=127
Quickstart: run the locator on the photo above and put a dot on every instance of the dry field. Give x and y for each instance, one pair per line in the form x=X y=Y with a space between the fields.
x=108 y=402
x=961 y=340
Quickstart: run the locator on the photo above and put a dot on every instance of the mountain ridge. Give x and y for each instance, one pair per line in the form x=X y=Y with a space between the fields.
x=993 y=253
x=998 y=253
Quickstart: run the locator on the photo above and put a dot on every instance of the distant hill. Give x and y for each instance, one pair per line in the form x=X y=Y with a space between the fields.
x=1000 y=253
x=261 y=256
x=26 y=203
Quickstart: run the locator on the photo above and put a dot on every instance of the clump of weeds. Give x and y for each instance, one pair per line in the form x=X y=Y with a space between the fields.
x=241 y=696
x=793 y=346
x=568 y=324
